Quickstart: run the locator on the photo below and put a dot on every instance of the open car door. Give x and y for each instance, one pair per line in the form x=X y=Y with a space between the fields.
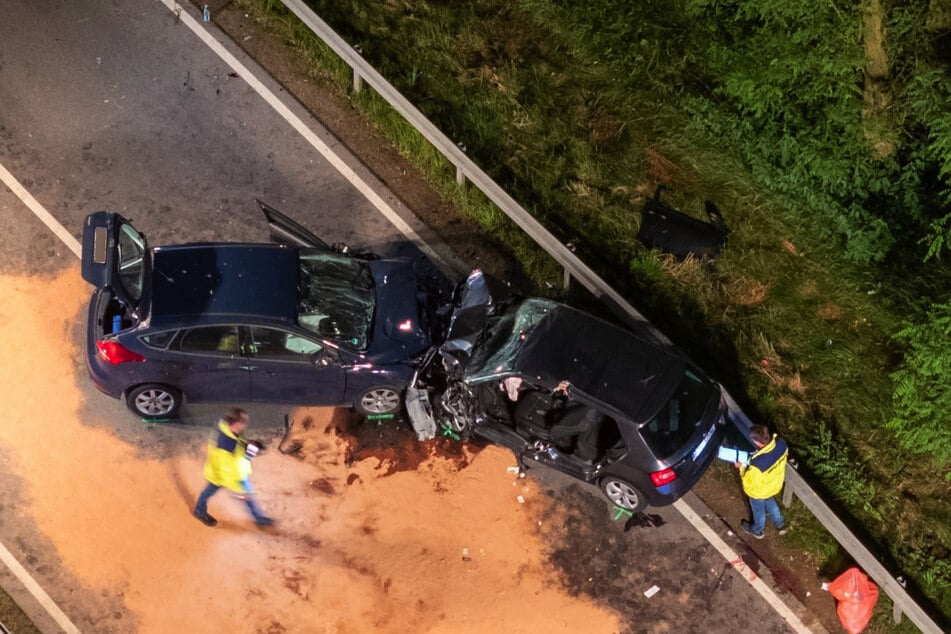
x=289 y=232
x=115 y=255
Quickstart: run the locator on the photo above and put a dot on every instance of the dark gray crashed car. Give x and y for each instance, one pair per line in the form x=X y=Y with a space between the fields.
x=563 y=388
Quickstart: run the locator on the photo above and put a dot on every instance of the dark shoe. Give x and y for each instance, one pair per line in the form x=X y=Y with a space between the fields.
x=264 y=522
x=748 y=529
x=206 y=519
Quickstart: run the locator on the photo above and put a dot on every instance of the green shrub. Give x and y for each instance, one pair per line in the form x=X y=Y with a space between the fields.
x=922 y=395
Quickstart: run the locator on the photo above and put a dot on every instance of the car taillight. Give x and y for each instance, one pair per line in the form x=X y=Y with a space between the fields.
x=115 y=353
x=405 y=326
x=660 y=478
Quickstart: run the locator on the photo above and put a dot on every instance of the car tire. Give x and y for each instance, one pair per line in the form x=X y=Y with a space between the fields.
x=379 y=399
x=154 y=401
x=622 y=493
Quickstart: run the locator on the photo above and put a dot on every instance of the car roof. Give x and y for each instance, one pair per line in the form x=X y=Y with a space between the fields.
x=607 y=363
x=223 y=279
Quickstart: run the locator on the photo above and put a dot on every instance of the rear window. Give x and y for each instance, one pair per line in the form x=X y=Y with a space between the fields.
x=131 y=251
x=158 y=339
x=670 y=429
x=336 y=298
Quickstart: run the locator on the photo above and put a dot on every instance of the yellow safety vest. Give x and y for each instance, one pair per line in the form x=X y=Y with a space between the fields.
x=224 y=451
x=763 y=477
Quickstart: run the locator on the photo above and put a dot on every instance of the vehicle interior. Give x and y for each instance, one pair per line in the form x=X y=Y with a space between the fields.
x=575 y=429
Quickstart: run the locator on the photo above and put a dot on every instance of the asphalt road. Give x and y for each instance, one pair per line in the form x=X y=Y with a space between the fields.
x=113 y=105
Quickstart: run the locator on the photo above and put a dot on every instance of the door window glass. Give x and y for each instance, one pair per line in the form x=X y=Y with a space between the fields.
x=212 y=339
x=270 y=342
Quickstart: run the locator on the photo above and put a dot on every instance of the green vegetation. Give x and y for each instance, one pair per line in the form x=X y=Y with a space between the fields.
x=923 y=392
x=822 y=130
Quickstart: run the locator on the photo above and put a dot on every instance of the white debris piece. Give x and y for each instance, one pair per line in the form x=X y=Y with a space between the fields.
x=651 y=591
x=521 y=500
x=512 y=470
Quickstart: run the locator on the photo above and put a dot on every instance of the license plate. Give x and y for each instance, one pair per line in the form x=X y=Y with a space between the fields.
x=703 y=443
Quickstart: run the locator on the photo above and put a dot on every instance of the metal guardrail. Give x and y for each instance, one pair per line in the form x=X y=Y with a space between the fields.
x=466 y=169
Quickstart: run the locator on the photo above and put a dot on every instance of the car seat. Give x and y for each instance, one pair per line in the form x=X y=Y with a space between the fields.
x=578 y=429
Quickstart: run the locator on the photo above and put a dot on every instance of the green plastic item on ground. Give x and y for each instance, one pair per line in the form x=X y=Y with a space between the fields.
x=620 y=513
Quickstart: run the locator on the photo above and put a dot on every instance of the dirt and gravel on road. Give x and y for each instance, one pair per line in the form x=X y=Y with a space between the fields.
x=367 y=540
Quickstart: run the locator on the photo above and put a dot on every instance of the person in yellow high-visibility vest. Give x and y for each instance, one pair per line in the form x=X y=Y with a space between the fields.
x=222 y=469
x=762 y=479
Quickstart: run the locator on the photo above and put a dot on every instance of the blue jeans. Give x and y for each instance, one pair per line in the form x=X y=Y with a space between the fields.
x=760 y=509
x=250 y=501
x=201 y=506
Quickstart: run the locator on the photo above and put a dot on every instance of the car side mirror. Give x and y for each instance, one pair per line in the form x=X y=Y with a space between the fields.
x=323 y=359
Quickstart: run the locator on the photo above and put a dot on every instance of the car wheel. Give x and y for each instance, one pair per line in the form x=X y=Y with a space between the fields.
x=153 y=400
x=622 y=493
x=380 y=399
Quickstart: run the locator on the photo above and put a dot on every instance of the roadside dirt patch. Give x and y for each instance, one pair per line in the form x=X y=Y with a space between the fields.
x=749 y=292
x=829 y=312
x=382 y=554
x=661 y=170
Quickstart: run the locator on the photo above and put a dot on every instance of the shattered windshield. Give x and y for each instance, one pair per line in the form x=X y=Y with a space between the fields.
x=500 y=345
x=674 y=424
x=335 y=298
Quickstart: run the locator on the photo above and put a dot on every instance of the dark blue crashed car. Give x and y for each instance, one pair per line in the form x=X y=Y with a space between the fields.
x=296 y=322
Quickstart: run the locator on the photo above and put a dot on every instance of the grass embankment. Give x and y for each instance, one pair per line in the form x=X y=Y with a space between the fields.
x=782 y=318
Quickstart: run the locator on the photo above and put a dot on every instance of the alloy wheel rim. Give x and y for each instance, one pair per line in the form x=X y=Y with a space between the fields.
x=154 y=402
x=622 y=494
x=380 y=401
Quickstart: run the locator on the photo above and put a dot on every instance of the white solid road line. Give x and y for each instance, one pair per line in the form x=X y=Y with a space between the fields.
x=7 y=558
x=295 y=122
x=737 y=562
x=40 y=212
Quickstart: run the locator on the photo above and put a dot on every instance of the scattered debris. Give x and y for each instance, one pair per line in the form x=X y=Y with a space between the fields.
x=465 y=555
x=651 y=591
x=643 y=520
x=521 y=499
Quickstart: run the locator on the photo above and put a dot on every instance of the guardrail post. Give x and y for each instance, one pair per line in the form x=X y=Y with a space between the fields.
x=566 y=280
x=787 y=495
x=460 y=176
x=896 y=612
x=357 y=81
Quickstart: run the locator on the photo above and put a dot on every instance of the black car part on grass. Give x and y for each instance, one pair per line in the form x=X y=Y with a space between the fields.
x=671 y=231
